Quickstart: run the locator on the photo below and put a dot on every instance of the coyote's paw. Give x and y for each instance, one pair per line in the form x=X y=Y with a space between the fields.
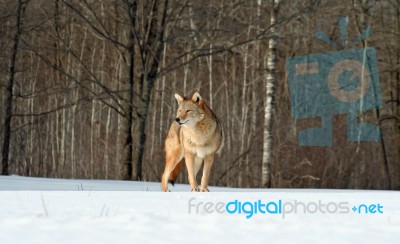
x=197 y=189
x=205 y=190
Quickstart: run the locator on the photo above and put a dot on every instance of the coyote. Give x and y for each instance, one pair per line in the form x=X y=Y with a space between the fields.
x=196 y=135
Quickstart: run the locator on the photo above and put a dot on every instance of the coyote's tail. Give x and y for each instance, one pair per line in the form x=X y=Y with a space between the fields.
x=175 y=173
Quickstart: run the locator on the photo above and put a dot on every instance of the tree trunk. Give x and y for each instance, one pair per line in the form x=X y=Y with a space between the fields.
x=152 y=53
x=269 y=101
x=127 y=149
x=9 y=90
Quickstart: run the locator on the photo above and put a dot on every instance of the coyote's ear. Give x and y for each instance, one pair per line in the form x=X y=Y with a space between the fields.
x=196 y=98
x=179 y=98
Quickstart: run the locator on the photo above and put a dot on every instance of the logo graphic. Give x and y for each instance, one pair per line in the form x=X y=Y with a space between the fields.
x=332 y=83
x=280 y=207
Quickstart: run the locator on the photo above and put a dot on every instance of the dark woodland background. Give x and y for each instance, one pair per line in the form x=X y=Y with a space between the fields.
x=87 y=88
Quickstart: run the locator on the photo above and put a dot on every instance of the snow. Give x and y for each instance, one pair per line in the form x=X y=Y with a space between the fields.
x=37 y=210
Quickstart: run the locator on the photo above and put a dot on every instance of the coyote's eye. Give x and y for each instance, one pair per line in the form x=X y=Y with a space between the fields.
x=188 y=111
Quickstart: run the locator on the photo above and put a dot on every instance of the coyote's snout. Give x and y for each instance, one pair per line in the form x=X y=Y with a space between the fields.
x=196 y=135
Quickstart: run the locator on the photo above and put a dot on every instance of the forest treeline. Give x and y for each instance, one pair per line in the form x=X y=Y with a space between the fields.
x=87 y=88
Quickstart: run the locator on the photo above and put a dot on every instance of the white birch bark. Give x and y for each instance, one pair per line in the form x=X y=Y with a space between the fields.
x=269 y=101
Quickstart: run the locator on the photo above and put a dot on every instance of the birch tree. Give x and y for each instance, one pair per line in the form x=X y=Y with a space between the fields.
x=269 y=105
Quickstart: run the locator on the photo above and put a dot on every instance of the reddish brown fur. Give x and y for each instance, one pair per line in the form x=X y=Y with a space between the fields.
x=175 y=173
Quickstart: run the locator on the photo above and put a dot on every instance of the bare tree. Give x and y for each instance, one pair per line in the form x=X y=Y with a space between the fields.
x=150 y=51
x=8 y=107
x=269 y=99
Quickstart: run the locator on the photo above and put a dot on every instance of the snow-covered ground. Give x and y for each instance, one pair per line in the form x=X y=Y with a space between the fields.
x=36 y=210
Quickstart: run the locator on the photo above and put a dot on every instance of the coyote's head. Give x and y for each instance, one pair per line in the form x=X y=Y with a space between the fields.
x=190 y=111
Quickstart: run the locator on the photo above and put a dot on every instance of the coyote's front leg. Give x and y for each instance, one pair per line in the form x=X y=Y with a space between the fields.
x=208 y=161
x=189 y=160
